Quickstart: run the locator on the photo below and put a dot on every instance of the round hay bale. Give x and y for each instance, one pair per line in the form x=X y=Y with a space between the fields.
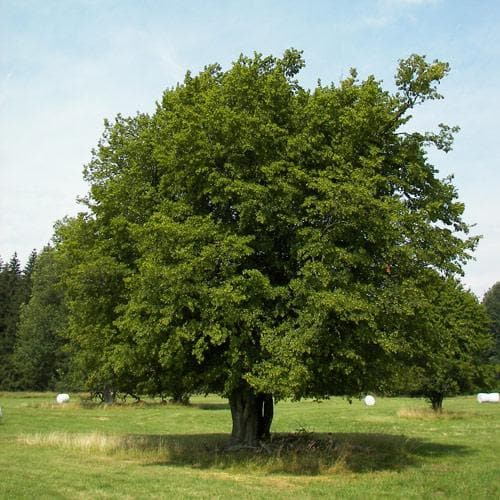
x=62 y=398
x=369 y=400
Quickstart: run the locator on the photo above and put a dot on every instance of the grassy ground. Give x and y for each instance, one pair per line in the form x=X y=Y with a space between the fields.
x=332 y=449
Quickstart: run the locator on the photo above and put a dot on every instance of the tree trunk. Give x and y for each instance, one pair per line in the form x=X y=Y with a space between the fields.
x=180 y=398
x=437 y=402
x=252 y=415
x=108 y=396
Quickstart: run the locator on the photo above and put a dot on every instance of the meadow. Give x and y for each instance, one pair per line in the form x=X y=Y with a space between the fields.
x=333 y=449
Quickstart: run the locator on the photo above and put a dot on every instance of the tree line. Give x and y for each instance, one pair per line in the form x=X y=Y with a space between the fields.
x=33 y=316
x=262 y=241
x=35 y=351
x=15 y=290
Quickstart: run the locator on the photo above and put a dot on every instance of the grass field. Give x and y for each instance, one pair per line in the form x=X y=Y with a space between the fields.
x=333 y=449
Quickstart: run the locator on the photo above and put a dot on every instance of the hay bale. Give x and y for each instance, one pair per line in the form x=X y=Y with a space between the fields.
x=493 y=397
x=369 y=400
x=62 y=398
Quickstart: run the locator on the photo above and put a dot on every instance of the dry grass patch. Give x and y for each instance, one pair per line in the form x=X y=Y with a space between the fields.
x=94 y=441
x=147 y=448
x=47 y=405
x=303 y=454
x=430 y=414
x=279 y=483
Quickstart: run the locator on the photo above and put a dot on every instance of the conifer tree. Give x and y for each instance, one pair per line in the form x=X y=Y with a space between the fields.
x=12 y=295
x=39 y=358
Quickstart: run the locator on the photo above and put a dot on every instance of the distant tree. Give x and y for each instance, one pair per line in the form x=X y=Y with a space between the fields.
x=259 y=240
x=39 y=357
x=27 y=274
x=13 y=293
x=4 y=313
x=491 y=302
x=450 y=353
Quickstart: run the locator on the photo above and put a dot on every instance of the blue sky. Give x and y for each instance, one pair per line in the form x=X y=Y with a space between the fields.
x=66 y=65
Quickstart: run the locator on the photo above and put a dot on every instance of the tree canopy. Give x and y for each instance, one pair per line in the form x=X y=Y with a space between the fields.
x=491 y=301
x=451 y=346
x=38 y=357
x=15 y=289
x=260 y=240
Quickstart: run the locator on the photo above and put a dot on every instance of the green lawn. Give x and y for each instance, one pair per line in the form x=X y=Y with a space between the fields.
x=332 y=449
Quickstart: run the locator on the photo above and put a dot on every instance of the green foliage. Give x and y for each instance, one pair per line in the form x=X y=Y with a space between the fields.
x=39 y=359
x=93 y=282
x=254 y=236
x=15 y=289
x=449 y=355
x=491 y=302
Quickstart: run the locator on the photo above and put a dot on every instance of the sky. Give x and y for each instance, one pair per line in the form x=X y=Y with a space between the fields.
x=66 y=65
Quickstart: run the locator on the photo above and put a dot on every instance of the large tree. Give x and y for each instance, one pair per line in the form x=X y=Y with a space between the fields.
x=260 y=240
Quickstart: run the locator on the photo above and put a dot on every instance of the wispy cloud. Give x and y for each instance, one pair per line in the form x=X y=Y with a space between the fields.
x=387 y=12
x=406 y=3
